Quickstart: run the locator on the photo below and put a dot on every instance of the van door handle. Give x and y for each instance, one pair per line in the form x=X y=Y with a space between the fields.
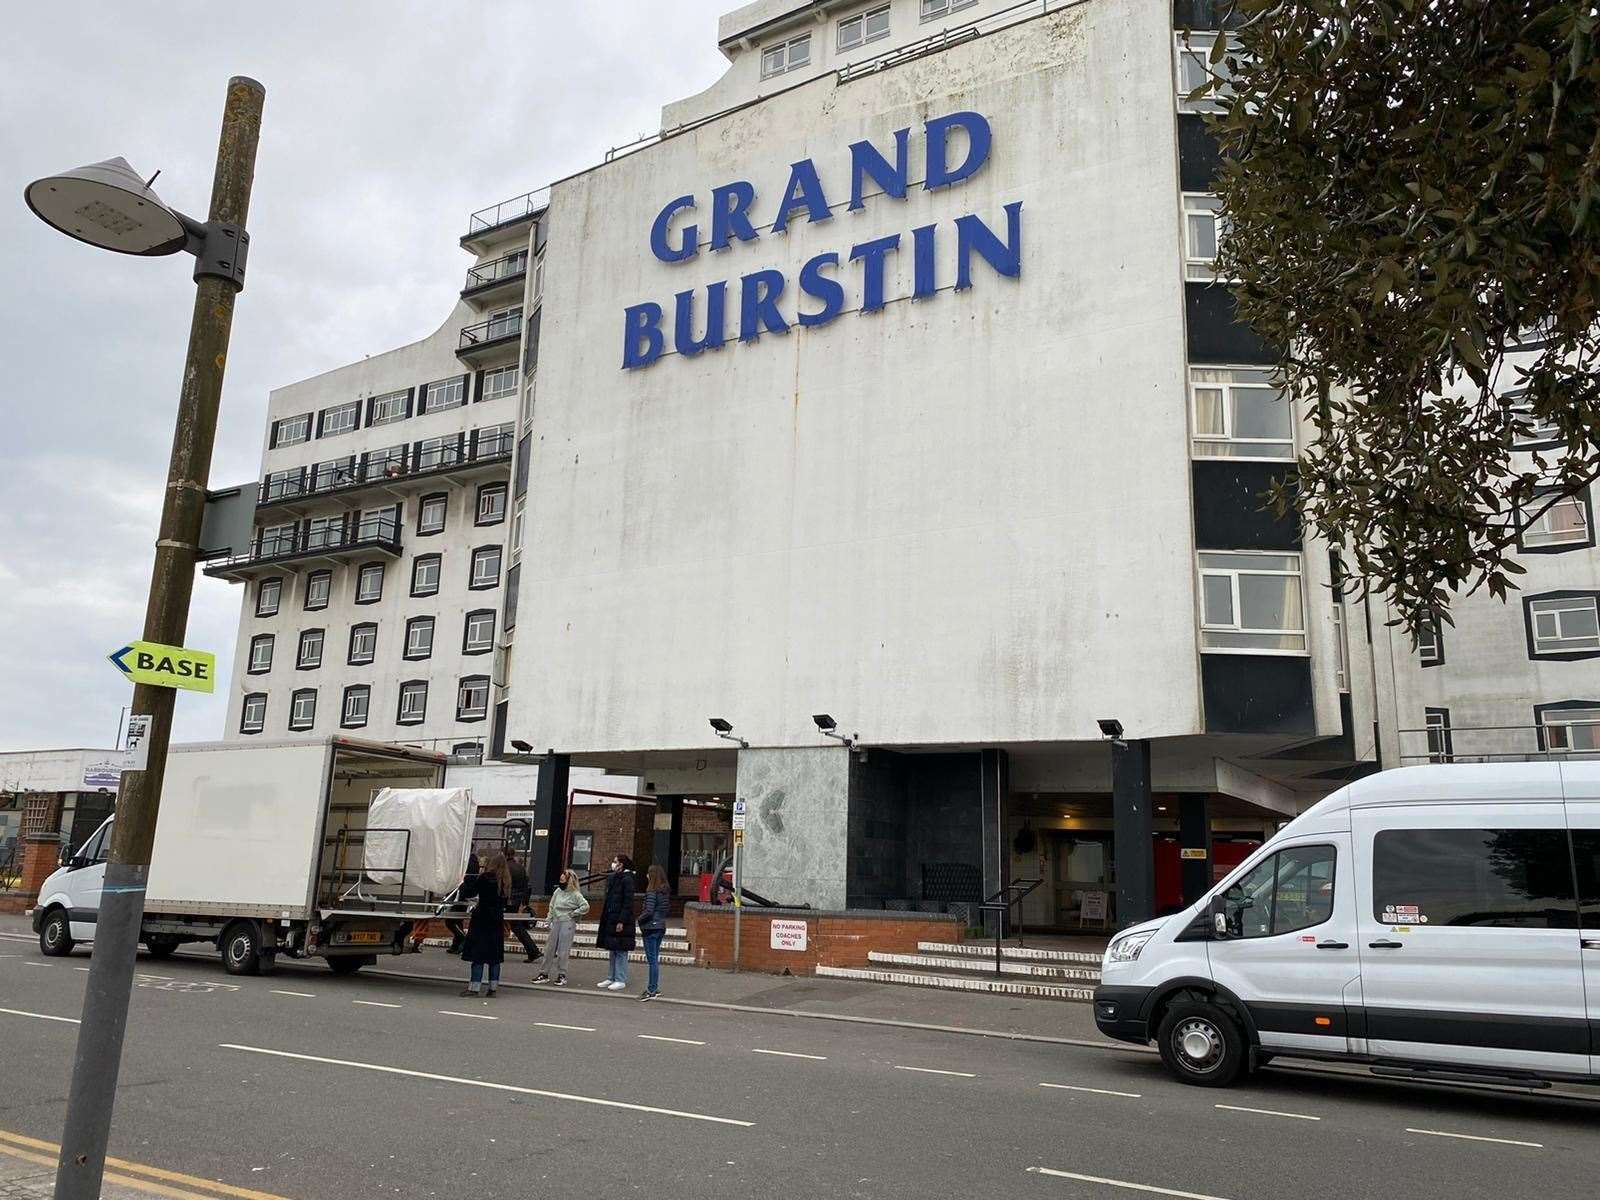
x=1385 y=945
x=1333 y=945
x=1591 y=943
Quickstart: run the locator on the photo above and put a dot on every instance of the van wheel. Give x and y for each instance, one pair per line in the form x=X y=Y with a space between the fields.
x=241 y=948
x=160 y=945
x=1201 y=1044
x=55 y=935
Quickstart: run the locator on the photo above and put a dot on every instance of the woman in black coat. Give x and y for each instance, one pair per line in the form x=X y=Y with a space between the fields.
x=484 y=945
x=616 y=922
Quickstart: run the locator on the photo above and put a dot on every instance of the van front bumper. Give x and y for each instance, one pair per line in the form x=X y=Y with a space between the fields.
x=36 y=915
x=1119 y=1012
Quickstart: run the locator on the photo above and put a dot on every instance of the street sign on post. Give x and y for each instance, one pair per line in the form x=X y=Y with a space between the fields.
x=738 y=815
x=167 y=666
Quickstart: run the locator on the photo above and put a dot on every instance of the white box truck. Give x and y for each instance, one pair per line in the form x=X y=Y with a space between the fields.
x=265 y=849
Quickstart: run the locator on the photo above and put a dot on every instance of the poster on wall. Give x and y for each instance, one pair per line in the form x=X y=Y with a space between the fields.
x=1094 y=908
x=789 y=935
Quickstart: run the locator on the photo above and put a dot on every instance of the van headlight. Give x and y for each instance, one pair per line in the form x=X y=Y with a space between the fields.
x=1126 y=949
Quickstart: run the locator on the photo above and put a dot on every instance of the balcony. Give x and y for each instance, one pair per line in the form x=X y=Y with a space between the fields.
x=499 y=279
x=491 y=224
x=495 y=338
x=306 y=544
x=395 y=471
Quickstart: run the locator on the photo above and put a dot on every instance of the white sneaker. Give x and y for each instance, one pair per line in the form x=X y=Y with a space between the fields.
x=604 y=983
x=617 y=985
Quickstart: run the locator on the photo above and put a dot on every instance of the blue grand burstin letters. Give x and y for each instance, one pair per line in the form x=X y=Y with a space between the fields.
x=955 y=148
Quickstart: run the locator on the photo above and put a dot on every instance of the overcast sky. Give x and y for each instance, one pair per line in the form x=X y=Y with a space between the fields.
x=386 y=124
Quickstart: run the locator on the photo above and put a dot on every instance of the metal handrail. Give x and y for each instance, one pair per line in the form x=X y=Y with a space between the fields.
x=1447 y=752
x=508 y=211
x=493 y=330
x=369 y=531
x=497 y=270
x=1015 y=892
x=393 y=462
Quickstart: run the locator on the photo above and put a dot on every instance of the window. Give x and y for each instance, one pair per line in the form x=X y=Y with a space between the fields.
x=1430 y=639
x=932 y=10
x=1251 y=603
x=1586 y=850
x=310 y=655
x=419 y=638
x=341 y=418
x=786 y=56
x=1503 y=878
x=425 y=575
x=413 y=702
x=493 y=440
x=1203 y=227
x=253 y=713
x=357 y=699
x=1532 y=432
x=260 y=654
x=1290 y=891
x=279 y=485
x=1441 y=746
x=363 y=644
x=389 y=407
x=472 y=698
x=379 y=523
x=1562 y=624
x=506 y=322
x=477 y=636
x=277 y=539
x=268 y=593
x=319 y=586
x=1195 y=71
x=1238 y=413
x=485 y=568
x=335 y=473
x=499 y=383
x=369 y=583
x=518 y=518
x=303 y=709
x=438 y=452
x=1341 y=645
x=1559 y=523
x=431 y=512
x=1573 y=726
x=442 y=394
x=291 y=431
x=582 y=852
x=324 y=532
x=864 y=27
x=491 y=504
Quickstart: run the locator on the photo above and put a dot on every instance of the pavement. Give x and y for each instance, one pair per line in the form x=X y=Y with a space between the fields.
x=307 y=1086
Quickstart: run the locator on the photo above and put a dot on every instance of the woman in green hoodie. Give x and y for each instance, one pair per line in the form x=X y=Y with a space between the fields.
x=567 y=904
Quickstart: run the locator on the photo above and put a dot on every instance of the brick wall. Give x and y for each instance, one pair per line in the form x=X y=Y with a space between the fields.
x=840 y=939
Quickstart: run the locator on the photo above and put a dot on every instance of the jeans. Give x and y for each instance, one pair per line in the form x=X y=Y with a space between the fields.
x=558 y=944
x=652 y=955
x=477 y=975
x=619 y=967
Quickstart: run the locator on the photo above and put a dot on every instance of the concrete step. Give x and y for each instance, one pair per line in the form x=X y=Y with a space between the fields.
x=681 y=957
x=676 y=932
x=973 y=963
x=1010 y=953
x=962 y=983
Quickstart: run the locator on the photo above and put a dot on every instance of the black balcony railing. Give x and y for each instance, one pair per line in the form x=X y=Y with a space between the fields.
x=508 y=212
x=490 y=332
x=495 y=272
x=316 y=538
x=390 y=465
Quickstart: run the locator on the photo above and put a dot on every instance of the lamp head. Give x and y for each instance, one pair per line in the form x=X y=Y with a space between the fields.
x=825 y=722
x=108 y=205
x=521 y=747
x=720 y=725
x=1110 y=727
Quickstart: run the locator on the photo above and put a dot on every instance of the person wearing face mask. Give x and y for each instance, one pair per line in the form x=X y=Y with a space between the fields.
x=616 y=922
x=567 y=905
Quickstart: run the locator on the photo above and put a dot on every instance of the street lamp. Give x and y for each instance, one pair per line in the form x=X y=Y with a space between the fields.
x=108 y=205
x=828 y=727
x=725 y=731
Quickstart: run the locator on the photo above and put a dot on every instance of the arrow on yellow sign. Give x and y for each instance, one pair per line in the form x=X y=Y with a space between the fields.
x=167 y=666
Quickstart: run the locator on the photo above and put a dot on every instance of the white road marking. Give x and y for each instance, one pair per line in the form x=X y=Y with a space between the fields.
x=80 y=968
x=1469 y=1137
x=305 y=995
x=376 y=1004
x=498 y=1087
x=445 y=1012
x=558 y=1025
x=936 y=1071
x=1067 y=1087
x=161 y=977
x=17 y=1012
x=1266 y=1112
x=17 y=937
x=655 y=1037
x=790 y=1054
x=1122 y=1183
x=35 y=964
x=10 y=956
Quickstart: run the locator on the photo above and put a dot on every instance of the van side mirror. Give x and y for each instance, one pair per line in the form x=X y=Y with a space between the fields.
x=1219 y=918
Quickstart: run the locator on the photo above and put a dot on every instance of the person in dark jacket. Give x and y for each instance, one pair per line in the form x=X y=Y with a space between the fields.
x=458 y=932
x=484 y=945
x=653 y=924
x=616 y=922
x=516 y=902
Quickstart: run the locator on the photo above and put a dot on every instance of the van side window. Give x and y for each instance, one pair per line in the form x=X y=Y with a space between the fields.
x=1586 y=850
x=1290 y=891
x=94 y=850
x=1504 y=878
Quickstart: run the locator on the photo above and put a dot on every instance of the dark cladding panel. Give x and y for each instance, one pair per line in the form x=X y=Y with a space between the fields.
x=1257 y=693
x=1230 y=511
x=1198 y=153
x=1215 y=333
x=1205 y=14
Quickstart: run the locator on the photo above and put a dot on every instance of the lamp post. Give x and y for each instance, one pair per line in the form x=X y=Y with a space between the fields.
x=108 y=205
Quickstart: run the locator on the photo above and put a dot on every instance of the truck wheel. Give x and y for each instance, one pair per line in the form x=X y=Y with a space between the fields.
x=241 y=948
x=55 y=935
x=160 y=945
x=346 y=964
x=1201 y=1044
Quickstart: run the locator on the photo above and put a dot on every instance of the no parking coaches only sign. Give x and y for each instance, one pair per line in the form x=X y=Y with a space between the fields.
x=167 y=666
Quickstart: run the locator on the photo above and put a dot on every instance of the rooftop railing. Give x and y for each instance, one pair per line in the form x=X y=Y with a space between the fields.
x=508 y=212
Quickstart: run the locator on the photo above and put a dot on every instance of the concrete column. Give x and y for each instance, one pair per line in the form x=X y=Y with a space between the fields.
x=550 y=800
x=796 y=843
x=995 y=788
x=1194 y=833
x=668 y=848
x=1133 y=810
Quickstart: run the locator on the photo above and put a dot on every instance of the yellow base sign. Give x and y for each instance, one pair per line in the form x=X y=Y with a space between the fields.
x=167 y=666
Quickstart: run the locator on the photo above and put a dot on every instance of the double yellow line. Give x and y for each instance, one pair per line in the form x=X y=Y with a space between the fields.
x=154 y=1180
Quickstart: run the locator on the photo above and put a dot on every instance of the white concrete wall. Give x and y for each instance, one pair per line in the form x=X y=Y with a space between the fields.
x=965 y=519
x=52 y=770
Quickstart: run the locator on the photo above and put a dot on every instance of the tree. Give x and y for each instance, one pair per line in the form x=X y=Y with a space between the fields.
x=1409 y=189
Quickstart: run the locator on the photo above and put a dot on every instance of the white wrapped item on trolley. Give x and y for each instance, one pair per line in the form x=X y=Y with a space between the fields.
x=439 y=822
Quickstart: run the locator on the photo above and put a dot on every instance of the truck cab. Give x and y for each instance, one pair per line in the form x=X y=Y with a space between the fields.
x=70 y=895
